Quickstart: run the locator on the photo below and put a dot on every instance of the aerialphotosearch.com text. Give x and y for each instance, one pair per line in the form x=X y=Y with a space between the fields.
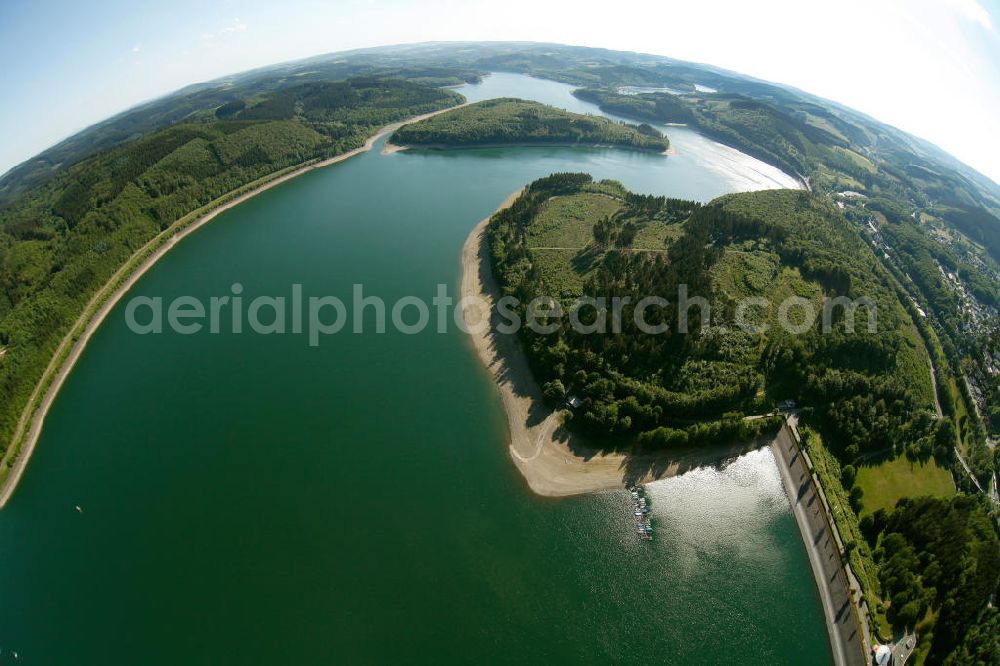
x=318 y=317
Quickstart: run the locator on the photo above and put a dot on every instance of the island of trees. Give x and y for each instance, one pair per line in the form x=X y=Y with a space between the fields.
x=516 y=121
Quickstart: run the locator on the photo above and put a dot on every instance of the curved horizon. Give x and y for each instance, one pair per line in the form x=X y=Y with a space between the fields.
x=220 y=80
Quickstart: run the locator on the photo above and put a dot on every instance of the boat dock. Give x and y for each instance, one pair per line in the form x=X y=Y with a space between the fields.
x=640 y=511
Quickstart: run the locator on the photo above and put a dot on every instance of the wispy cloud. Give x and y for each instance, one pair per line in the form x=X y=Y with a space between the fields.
x=975 y=12
x=236 y=26
x=136 y=48
x=208 y=39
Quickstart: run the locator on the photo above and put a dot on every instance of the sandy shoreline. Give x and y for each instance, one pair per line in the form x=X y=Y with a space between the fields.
x=553 y=462
x=62 y=364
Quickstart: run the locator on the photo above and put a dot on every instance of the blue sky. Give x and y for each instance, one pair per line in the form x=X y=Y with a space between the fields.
x=931 y=67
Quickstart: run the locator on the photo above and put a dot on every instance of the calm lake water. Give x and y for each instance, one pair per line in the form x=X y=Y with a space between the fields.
x=249 y=499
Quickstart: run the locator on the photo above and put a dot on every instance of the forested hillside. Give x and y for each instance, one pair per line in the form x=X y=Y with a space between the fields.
x=935 y=230
x=62 y=241
x=198 y=102
x=652 y=108
x=870 y=390
x=507 y=120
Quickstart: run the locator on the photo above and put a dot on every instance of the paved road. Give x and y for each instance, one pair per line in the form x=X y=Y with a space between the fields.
x=903 y=648
x=934 y=388
x=965 y=466
x=845 y=640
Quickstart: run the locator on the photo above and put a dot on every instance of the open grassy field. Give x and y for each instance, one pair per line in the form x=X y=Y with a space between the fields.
x=741 y=273
x=857 y=158
x=561 y=238
x=891 y=480
x=565 y=271
x=568 y=222
x=656 y=235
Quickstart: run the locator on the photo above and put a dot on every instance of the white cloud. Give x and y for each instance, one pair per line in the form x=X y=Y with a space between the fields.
x=136 y=48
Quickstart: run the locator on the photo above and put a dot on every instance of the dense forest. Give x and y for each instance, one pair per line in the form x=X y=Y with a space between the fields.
x=507 y=120
x=871 y=391
x=940 y=563
x=981 y=644
x=59 y=244
x=651 y=108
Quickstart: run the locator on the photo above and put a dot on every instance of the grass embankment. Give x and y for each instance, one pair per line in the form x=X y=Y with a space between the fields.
x=861 y=558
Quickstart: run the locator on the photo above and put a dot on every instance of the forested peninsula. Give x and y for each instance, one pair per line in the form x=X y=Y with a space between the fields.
x=568 y=236
x=506 y=121
x=570 y=241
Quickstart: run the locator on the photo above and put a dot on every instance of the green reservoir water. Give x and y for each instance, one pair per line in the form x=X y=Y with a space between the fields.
x=249 y=499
